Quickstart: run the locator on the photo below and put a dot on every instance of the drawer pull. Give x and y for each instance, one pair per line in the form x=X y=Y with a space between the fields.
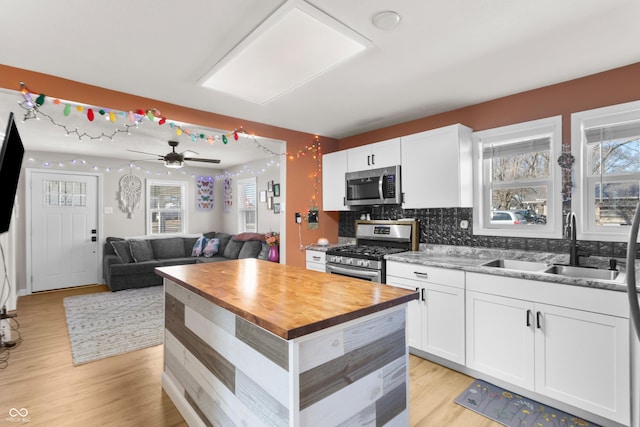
x=421 y=274
x=316 y=258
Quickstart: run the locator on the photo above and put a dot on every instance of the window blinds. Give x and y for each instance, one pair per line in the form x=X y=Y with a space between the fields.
x=629 y=130
x=535 y=145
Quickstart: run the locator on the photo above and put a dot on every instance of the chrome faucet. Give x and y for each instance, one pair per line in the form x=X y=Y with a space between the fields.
x=570 y=231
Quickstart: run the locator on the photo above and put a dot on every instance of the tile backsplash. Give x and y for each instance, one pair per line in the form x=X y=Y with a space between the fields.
x=441 y=226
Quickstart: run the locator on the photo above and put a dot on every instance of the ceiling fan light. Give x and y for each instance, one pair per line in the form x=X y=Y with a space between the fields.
x=174 y=164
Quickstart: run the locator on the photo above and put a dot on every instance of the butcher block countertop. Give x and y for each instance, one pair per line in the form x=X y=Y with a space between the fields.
x=285 y=300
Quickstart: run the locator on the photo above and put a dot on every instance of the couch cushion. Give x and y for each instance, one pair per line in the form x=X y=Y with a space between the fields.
x=201 y=259
x=224 y=240
x=211 y=248
x=108 y=249
x=171 y=247
x=178 y=261
x=135 y=268
x=121 y=248
x=250 y=249
x=264 y=252
x=141 y=250
x=233 y=249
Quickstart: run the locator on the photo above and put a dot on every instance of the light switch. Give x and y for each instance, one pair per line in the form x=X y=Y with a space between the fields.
x=108 y=209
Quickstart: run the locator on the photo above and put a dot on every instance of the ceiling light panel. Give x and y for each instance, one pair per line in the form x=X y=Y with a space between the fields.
x=294 y=45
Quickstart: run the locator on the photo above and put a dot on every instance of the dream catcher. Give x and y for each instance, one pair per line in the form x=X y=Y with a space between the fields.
x=130 y=192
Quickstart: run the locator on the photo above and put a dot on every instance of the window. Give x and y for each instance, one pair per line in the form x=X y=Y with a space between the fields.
x=166 y=207
x=606 y=144
x=517 y=180
x=247 y=208
x=65 y=193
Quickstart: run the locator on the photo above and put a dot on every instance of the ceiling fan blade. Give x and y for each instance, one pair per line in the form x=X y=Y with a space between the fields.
x=195 y=159
x=144 y=152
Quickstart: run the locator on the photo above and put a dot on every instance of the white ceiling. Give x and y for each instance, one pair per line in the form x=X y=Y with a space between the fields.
x=443 y=55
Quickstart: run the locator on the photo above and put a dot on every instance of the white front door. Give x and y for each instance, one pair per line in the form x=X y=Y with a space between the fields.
x=64 y=234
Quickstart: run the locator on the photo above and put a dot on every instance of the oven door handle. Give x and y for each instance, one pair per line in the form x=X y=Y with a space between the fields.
x=351 y=272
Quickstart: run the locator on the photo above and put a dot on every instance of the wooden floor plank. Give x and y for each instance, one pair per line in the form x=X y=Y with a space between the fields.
x=126 y=390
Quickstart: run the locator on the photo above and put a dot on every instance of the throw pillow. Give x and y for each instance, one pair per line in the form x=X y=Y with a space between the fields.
x=250 y=249
x=199 y=246
x=141 y=250
x=233 y=249
x=211 y=248
x=121 y=248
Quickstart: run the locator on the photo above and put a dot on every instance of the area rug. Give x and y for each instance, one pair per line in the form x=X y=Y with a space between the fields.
x=512 y=410
x=106 y=324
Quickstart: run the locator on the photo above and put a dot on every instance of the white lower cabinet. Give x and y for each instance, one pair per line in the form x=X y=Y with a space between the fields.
x=569 y=343
x=316 y=260
x=498 y=341
x=436 y=319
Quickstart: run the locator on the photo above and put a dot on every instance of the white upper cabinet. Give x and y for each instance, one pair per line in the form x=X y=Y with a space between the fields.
x=334 y=166
x=437 y=168
x=372 y=156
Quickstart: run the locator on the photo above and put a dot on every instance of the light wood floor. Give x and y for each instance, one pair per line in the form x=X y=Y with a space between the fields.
x=125 y=390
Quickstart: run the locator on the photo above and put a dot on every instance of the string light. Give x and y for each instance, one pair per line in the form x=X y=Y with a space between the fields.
x=134 y=165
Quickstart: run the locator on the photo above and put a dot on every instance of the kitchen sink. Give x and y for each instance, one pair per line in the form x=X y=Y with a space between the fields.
x=513 y=264
x=583 y=272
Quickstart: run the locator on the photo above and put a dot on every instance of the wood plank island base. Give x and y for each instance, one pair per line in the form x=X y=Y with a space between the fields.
x=255 y=343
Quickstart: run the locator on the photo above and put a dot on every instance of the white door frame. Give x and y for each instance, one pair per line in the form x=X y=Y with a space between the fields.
x=99 y=199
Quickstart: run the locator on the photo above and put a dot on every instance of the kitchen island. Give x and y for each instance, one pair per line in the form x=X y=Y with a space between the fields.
x=249 y=342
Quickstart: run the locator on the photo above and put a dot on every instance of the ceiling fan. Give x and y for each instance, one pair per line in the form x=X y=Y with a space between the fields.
x=176 y=160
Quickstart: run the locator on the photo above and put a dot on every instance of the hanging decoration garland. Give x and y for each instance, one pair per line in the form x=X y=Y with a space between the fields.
x=134 y=118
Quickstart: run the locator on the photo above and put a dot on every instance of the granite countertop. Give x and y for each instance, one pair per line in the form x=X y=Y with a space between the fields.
x=471 y=259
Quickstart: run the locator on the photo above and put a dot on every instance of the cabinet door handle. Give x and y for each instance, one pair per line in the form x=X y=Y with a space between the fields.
x=528 y=318
x=421 y=274
x=373 y=159
x=423 y=296
x=368 y=160
x=538 y=320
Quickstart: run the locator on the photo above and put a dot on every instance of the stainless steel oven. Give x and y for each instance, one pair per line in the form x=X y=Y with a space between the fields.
x=371 y=274
x=374 y=239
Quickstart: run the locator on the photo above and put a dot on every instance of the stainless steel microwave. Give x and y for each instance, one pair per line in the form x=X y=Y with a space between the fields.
x=373 y=187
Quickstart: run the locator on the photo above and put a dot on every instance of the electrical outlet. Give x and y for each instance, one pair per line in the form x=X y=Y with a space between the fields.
x=298 y=218
x=5 y=330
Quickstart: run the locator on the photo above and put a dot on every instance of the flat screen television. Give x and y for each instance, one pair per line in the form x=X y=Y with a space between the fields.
x=11 y=154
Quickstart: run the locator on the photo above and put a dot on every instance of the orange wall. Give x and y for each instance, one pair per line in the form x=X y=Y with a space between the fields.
x=300 y=171
x=598 y=90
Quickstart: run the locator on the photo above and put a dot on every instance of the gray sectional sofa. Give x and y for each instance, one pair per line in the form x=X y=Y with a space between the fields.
x=130 y=263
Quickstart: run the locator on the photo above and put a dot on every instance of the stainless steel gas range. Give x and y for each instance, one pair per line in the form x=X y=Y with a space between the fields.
x=374 y=239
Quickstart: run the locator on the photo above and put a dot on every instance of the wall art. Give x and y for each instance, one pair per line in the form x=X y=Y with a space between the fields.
x=129 y=194
x=228 y=194
x=204 y=193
